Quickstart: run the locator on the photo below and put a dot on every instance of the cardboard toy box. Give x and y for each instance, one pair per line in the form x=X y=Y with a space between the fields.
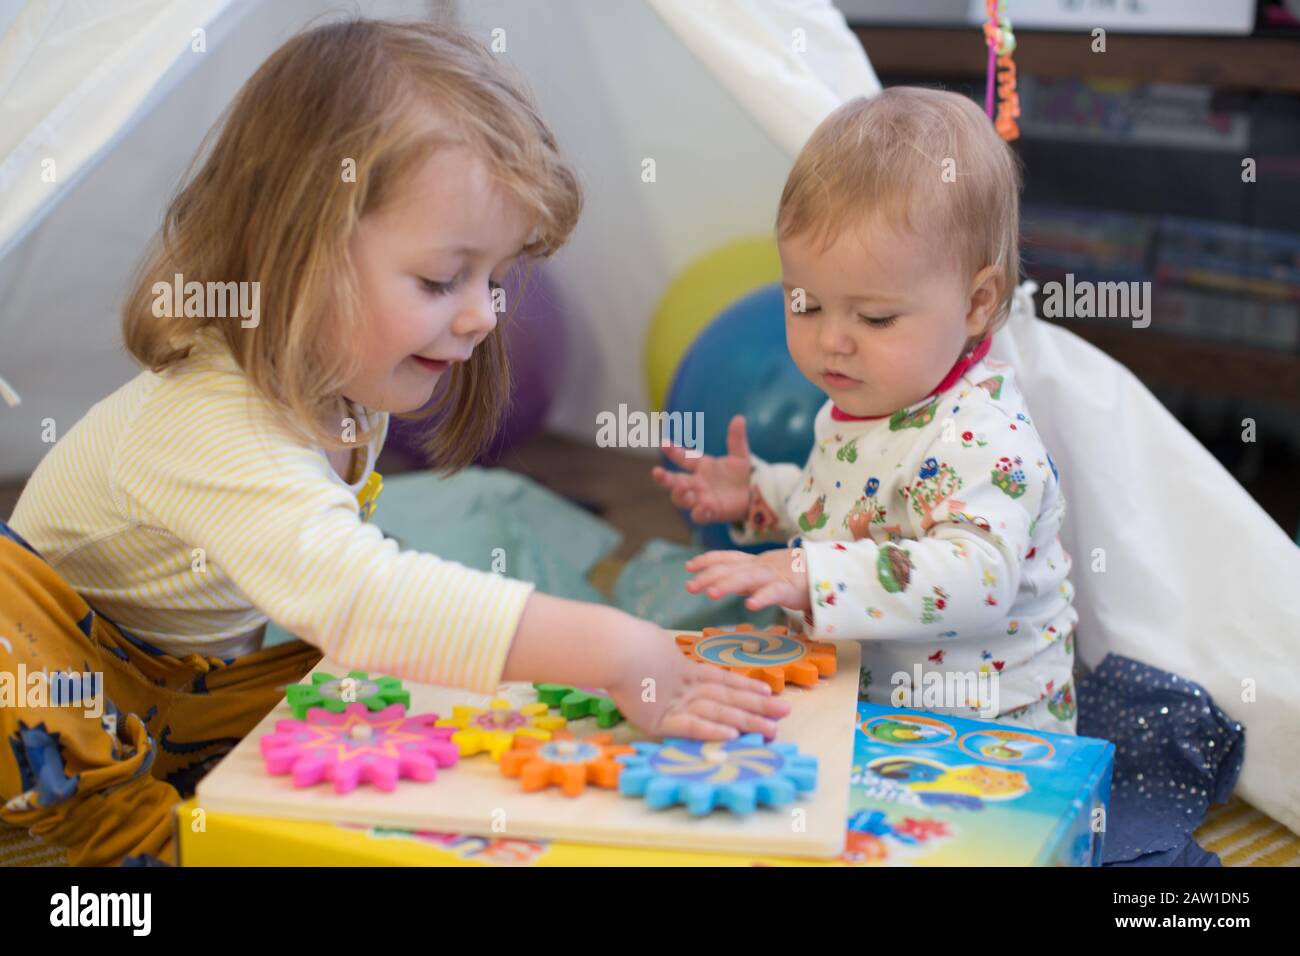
x=936 y=790
x=926 y=790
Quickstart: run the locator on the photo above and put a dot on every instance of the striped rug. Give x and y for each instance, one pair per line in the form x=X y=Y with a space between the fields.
x=1242 y=836
x=19 y=849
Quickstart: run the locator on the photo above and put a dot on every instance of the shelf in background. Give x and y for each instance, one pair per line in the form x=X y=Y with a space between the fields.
x=1264 y=63
x=1244 y=373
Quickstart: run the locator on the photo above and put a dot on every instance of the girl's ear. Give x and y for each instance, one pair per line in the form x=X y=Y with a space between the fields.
x=985 y=293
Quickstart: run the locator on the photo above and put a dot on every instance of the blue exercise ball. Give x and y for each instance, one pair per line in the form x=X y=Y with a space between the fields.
x=739 y=365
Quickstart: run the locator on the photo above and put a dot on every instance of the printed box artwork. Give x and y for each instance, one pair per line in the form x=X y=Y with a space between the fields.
x=935 y=790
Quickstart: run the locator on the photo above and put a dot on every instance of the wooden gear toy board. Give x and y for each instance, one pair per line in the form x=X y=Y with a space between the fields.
x=475 y=797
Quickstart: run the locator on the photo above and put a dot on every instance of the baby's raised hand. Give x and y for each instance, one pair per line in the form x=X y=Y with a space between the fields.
x=714 y=489
x=773 y=577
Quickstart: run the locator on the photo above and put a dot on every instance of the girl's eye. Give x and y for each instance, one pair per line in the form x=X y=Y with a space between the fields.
x=808 y=310
x=442 y=288
x=437 y=288
x=881 y=322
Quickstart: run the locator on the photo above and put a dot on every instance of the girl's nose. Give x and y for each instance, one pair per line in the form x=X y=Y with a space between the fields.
x=477 y=317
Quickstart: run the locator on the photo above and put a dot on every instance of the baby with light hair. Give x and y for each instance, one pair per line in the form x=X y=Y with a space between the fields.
x=925 y=523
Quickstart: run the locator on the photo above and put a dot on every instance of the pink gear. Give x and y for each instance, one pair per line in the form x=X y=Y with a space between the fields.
x=377 y=747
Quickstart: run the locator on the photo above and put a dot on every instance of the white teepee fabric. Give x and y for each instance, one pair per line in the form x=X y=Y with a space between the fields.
x=73 y=76
x=787 y=62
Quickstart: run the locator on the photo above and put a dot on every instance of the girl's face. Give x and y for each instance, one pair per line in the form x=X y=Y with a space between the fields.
x=427 y=266
x=885 y=316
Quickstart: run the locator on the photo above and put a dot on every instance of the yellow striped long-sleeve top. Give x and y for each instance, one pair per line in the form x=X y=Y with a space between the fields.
x=186 y=513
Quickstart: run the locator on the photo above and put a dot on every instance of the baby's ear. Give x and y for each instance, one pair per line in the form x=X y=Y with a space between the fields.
x=985 y=294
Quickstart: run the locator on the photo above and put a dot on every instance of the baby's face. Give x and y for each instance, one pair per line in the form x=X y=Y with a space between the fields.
x=427 y=266
x=886 y=316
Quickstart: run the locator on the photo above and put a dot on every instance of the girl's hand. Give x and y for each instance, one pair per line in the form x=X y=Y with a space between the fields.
x=773 y=577
x=665 y=694
x=658 y=689
x=714 y=489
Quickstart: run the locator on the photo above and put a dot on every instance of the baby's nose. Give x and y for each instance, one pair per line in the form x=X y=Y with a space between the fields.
x=834 y=342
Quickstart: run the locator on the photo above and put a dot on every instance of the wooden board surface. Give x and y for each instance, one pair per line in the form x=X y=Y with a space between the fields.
x=474 y=797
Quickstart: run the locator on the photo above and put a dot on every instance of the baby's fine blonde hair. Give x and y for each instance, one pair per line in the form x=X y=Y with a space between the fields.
x=270 y=202
x=926 y=160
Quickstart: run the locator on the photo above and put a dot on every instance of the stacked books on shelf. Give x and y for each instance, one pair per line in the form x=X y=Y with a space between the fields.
x=1228 y=282
x=1211 y=280
x=1126 y=113
x=1097 y=245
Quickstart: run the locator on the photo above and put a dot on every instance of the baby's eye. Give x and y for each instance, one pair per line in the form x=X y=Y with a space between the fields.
x=806 y=310
x=879 y=322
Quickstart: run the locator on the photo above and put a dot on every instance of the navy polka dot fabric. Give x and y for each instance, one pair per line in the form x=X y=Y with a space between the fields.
x=1176 y=753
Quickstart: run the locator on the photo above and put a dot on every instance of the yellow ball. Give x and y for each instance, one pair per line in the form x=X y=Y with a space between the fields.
x=702 y=290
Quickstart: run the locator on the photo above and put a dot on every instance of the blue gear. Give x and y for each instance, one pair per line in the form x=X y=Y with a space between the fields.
x=704 y=775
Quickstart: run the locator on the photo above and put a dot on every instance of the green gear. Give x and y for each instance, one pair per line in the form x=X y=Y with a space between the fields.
x=329 y=692
x=576 y=703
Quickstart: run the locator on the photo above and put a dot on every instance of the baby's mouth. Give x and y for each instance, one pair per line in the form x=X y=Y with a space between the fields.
x=838 y=380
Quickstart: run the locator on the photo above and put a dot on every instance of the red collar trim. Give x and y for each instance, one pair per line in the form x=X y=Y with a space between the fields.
x=954 y=373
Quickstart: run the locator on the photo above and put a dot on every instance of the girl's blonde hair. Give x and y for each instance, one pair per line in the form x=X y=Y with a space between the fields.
x=271 y=203
x=925 y=159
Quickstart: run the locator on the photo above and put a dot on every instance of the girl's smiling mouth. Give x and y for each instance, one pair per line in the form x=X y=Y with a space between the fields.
x=431 y=365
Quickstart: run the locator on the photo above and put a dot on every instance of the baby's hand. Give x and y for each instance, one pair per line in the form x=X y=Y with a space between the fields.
x=664 y=694
x=715 y=489
x=773 y=577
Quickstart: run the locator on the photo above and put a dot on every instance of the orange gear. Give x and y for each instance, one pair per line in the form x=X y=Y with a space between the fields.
x=565 y=761
x=773 y=656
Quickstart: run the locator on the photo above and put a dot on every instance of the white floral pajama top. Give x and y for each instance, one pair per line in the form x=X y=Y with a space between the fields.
x=931 y=536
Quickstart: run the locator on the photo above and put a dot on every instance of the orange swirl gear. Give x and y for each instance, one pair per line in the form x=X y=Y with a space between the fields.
x=773 y=656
